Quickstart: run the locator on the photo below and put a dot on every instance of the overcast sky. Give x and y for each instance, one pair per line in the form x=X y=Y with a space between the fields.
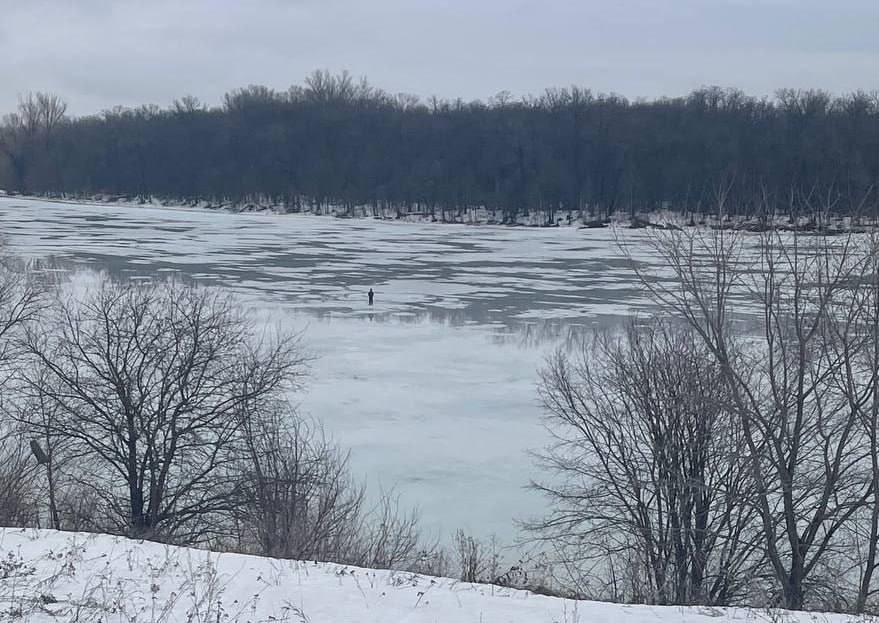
x=98 y=54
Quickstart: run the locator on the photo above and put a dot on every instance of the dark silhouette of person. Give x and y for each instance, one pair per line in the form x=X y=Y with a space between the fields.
x=371 y=295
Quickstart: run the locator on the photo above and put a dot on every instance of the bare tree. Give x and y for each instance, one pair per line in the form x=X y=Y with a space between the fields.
x=148 y=380
x=32 y=126
x=856 y=344
x=322 y=86
x=188 y=105
x=645 y=478
x=802 y=432
x=20 y=304
x=20 y=297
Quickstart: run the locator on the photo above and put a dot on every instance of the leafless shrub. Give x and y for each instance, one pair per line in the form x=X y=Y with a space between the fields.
x=301 y=501
x=434 y=561
x=478 y=561
x=389 y=535
x=37 y=417
x=19 y=505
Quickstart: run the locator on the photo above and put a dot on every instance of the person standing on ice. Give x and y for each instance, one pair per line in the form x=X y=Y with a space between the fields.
x=371 y=295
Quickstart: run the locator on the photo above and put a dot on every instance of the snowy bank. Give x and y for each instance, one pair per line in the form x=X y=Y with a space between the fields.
x=56 y=576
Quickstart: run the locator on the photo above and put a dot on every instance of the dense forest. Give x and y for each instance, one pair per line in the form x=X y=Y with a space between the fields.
x=335 y=141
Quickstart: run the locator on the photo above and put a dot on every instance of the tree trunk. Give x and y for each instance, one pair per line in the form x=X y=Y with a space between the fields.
x=793 y=589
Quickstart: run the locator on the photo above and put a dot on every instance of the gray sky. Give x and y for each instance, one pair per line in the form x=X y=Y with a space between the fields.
x=97 y=54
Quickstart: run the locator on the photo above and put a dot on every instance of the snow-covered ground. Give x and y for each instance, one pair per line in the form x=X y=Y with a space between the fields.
x=48 y=576
x=433 y=388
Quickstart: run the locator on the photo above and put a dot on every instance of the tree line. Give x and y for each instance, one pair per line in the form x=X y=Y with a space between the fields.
x=338 y=142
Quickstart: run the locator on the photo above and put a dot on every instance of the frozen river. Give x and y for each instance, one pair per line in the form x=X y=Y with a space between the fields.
x=434 y=388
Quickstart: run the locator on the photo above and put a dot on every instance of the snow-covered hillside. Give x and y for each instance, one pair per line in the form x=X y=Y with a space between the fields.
x=57 y=576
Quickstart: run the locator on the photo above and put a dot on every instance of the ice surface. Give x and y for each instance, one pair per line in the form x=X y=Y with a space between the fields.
x=433 y=388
